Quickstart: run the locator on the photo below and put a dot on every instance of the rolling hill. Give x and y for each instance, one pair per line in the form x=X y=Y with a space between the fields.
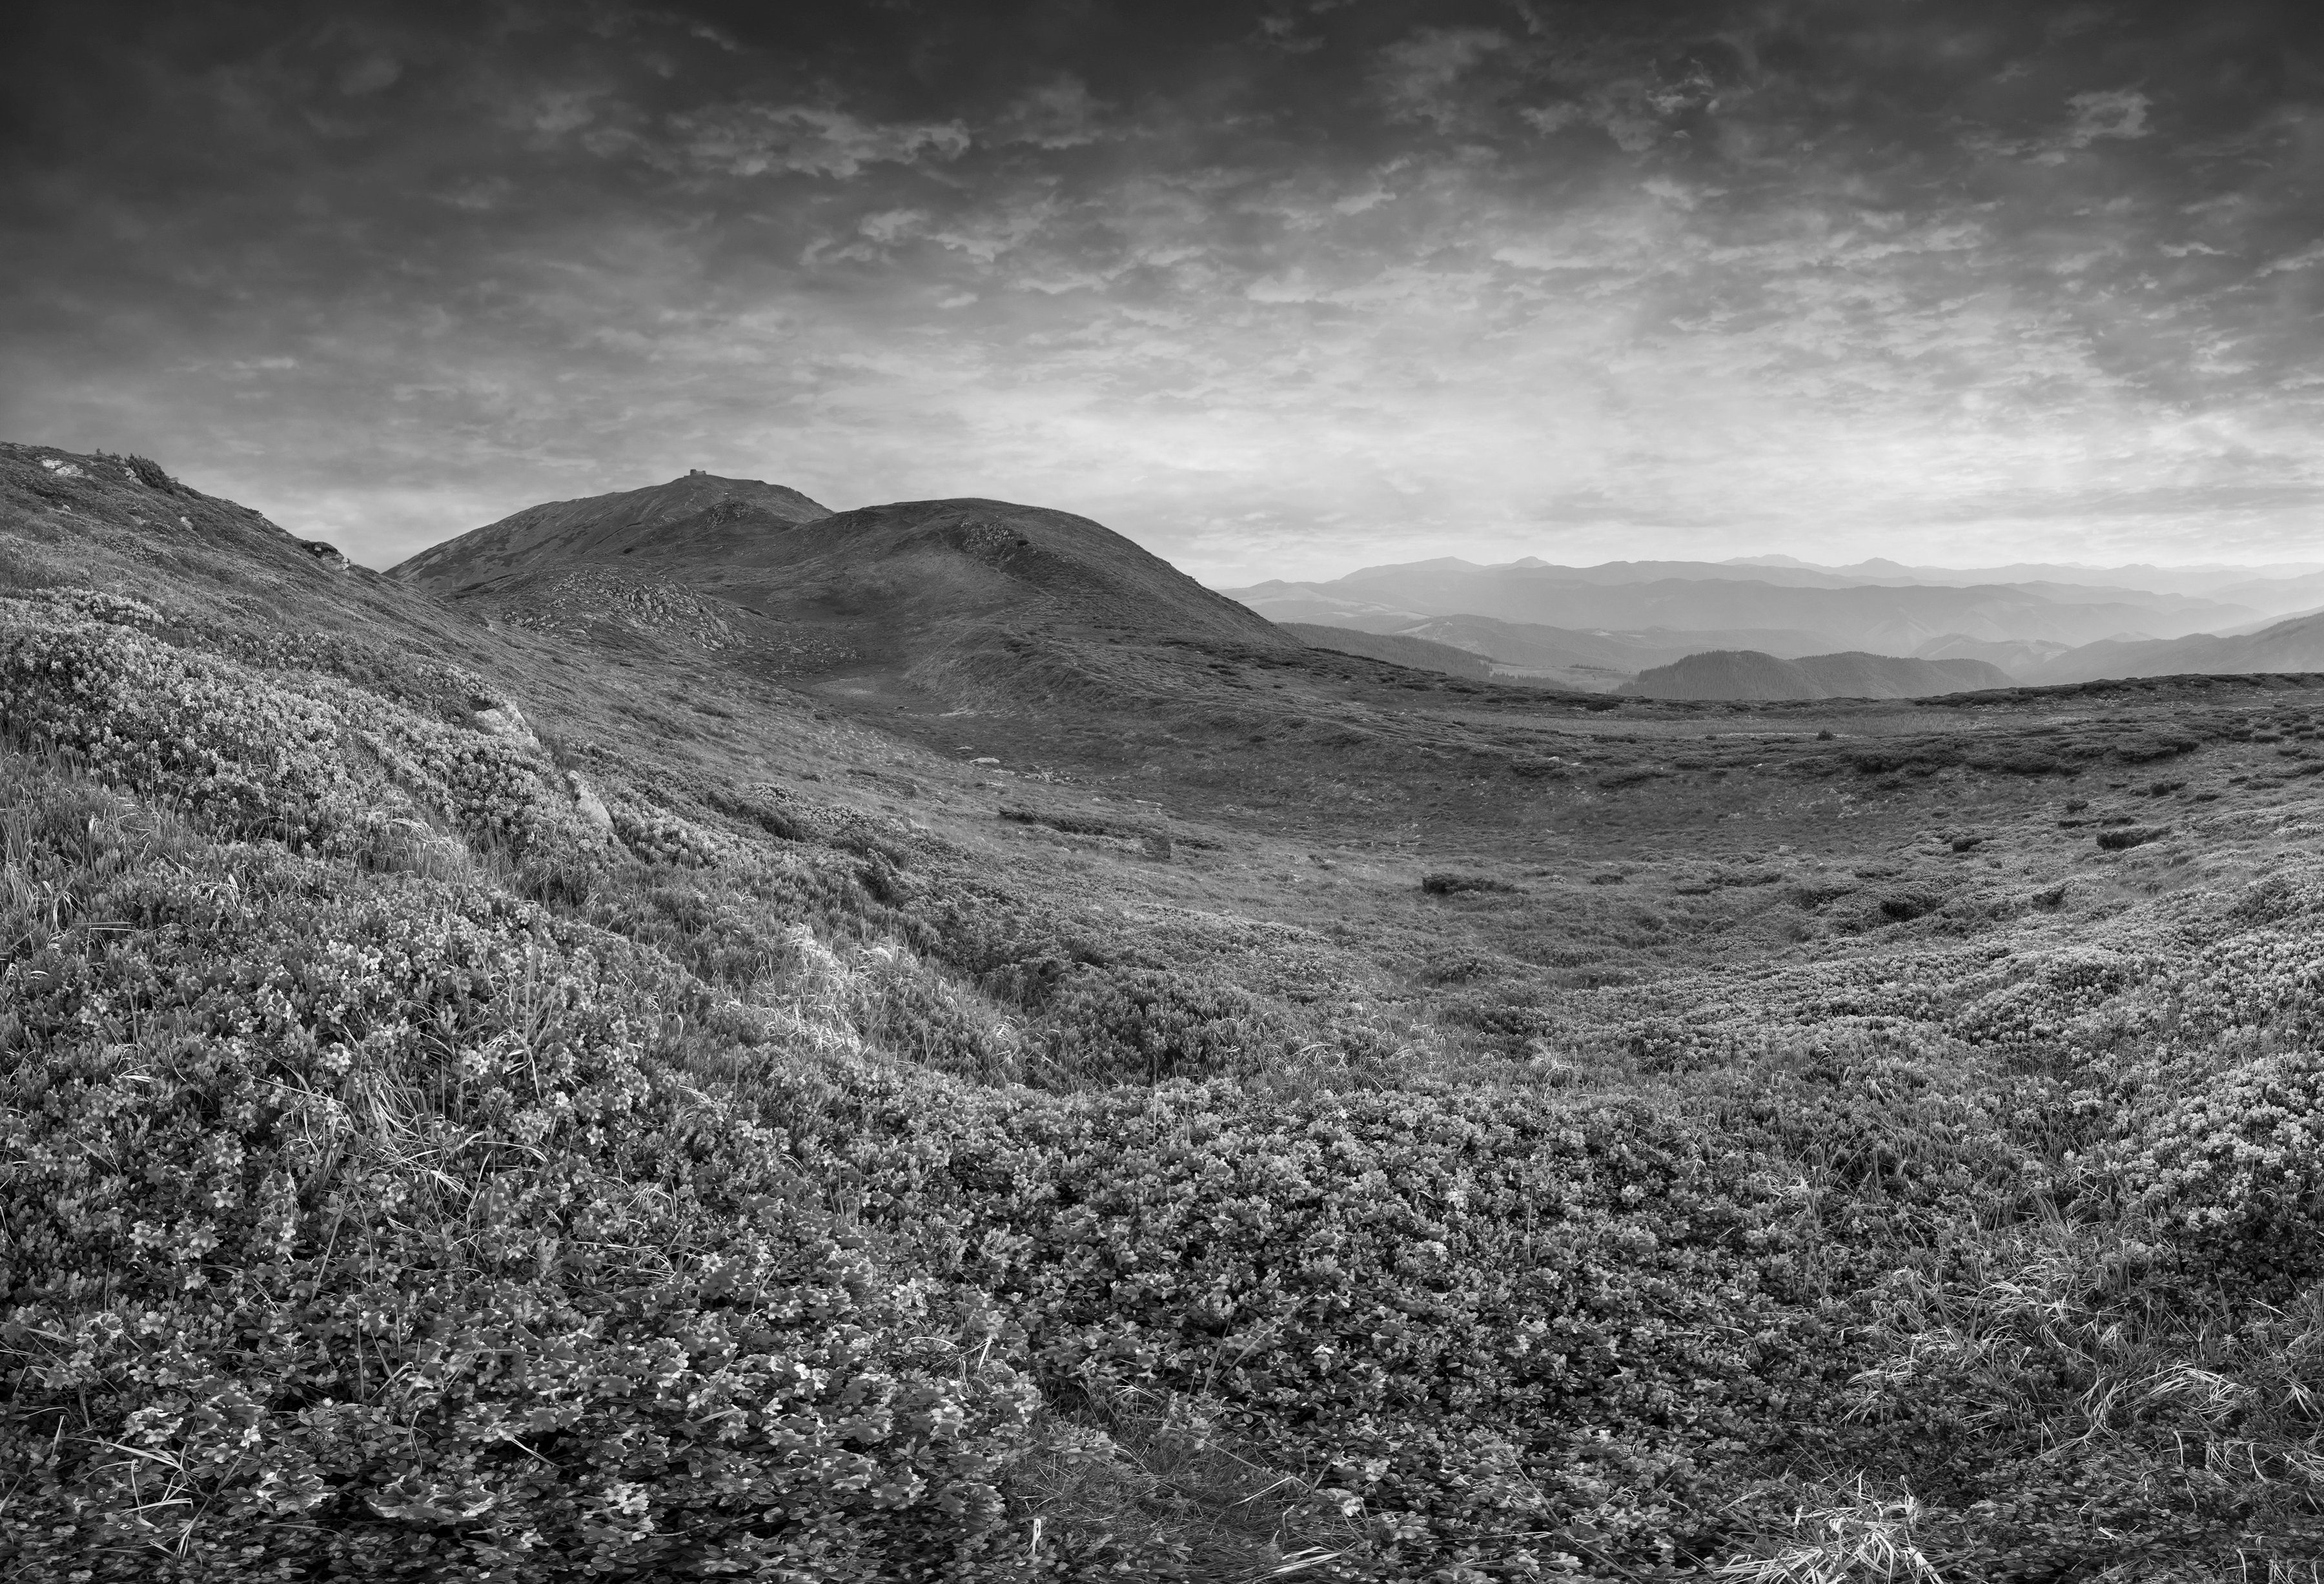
x=883 y=575
x=917 y=606
x=1744 y=674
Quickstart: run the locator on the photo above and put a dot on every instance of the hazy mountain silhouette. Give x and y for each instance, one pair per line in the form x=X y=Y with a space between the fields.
x=2294 y=644
x=1745 y=675
x=2021 y=658
x=1895 y=618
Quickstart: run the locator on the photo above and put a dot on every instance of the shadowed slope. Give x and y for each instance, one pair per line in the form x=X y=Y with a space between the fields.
x=890 y=575
x=1420 y=653
x=701 y=511
x=920 y=606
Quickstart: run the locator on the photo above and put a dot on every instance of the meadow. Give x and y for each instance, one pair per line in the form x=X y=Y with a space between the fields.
x=468 y=1116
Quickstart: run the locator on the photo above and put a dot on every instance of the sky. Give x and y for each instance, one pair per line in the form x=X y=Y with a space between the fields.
x=1278 y=288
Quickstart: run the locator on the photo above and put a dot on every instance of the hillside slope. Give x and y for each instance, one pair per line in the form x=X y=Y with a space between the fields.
x=962 y=603
x=2295 y=645
x=712 y=516
x=1420 y=653
x=478 y=1104
x=1744 y=674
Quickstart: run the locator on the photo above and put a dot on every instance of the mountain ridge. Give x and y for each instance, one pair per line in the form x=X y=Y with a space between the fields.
x=881 y=586
x=1746 y=674
x=1894 y=620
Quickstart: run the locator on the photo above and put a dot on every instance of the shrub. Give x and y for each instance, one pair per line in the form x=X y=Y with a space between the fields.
x=310 y=761
x=415 y=1262
x=1452 y=885
x=1902 y=906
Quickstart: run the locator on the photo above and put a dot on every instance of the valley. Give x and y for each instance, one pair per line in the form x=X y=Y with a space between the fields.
x=688 y=1035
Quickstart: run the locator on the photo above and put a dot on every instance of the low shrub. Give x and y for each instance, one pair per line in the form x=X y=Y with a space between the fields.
x=1454 y=885
x=414 y=1262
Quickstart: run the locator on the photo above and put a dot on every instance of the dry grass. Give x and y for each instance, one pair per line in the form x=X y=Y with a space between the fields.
x=1854 y=1537
x=1160 y=1471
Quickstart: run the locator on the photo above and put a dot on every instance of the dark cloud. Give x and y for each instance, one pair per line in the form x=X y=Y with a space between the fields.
x=1276 y=286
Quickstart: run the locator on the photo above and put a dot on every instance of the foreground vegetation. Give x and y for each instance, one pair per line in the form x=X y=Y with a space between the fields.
x=436 y=1150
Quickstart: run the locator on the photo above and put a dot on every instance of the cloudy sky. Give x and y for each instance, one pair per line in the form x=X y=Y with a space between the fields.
x=1278 y=288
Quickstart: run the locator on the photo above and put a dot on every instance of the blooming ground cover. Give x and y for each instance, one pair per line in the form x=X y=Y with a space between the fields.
x=409 y=1176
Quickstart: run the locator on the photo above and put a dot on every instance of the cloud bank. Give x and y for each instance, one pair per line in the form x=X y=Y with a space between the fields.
x=1276 y=290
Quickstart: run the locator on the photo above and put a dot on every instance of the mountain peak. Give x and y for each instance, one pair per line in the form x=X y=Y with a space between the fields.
x=686 y=511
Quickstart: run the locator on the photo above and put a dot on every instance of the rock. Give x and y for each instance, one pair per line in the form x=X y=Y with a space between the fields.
x=507 y=720
x=588 y=804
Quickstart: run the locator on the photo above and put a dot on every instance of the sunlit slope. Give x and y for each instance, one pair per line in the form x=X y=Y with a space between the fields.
x=66 y=517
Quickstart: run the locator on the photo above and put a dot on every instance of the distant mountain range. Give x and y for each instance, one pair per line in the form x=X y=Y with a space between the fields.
x=1746 y=674
x=2279 y=588
x=2294 y=644
x=1597 y=627
x=1699 y=596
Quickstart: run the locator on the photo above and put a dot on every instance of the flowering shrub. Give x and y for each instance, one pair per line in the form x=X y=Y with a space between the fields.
x=2242 y=1153
x=664 y=838
x=283 y=758
x=414 y=1262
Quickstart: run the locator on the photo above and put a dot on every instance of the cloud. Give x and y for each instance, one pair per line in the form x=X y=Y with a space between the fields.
x=2307 y=258
x=1419 y=77
x=1402 y=282
x=370 y=73
x=760 y=140
x=1059 y=114
x=2113 y=113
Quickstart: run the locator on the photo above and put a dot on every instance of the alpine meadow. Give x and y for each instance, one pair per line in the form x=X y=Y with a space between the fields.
x=1371 y=980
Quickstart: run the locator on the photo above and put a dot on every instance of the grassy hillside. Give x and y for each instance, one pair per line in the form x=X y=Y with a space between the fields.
x=1419 y=653
x=459 y=1126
